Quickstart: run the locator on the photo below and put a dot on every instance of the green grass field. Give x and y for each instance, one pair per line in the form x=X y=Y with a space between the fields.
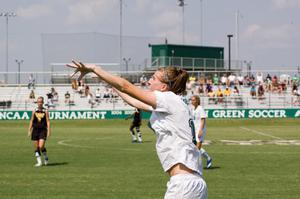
x=96 y=159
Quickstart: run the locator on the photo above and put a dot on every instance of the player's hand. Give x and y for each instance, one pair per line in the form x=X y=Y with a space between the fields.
x=29 y=133
x=199 y=145
x=82 y=68
x=48 y=134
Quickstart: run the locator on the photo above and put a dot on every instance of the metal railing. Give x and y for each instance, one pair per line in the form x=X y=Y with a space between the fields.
x=196 y=63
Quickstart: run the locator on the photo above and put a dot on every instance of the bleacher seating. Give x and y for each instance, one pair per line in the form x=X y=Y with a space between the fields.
x=18 y=98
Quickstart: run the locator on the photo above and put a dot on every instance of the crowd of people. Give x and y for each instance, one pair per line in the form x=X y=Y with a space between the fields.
x=222 y=88
x=219 y=89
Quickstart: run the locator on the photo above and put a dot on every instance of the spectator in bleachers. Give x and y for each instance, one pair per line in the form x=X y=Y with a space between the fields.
x=220 y=95
x=294 y=87
x=208 y=88
x=143 y=80
x=283 y=86
x=81 y=88
x=247 y=80
x=227 y=91
x=216 y=80
x=268 y=83
x=201 y=89
x=98 y=95
x=202 y=80
x=31 y=96
x=224 y=80
x=275 y=83
x=236 y=91
x=231 y=80
x=261 y=92
x=296 y=97
x=49 y=100
x=252 y=80
x=240 y=79
x=259 y=78
x=91 y=99
x=31 y=82
x=253 y=91
x=55 y=95
x=67 y=98
x=86 y=90
x=211 y=97
x=268 y=77
x=106 y=95
x=295 y=79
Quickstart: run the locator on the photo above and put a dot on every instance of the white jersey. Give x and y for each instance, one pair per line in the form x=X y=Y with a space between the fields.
x=170 y=121
x=198 y=114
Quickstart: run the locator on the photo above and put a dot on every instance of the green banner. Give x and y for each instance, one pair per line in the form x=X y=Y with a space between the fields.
x=121 y=114
x=253 y=113
x=71 y=115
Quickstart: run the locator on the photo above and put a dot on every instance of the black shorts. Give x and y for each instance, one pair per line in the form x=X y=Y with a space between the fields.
x=39 y=134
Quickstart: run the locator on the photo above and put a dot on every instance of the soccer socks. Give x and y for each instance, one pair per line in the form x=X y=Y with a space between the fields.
x=204 y=154
x=133 y=135
x=44 y=151
x=38 y=157
x=207 y=157
x=139 y=134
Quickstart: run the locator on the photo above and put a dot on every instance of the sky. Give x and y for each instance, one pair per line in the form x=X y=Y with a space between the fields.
x=268 y=33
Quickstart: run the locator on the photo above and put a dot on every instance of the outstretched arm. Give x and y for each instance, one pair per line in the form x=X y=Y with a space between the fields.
x=133 y=102
x=124 y=86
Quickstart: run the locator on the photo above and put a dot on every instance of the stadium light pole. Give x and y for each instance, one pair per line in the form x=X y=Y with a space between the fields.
x=181 y=3
x=7 y=15
x=229 y=51
x=126 y=62
x=19 y=62
x=121 y=33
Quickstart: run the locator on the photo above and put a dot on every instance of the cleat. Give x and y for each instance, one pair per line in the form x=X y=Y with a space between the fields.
x=38 y=164
x=140 y=140
x=46 y=162
x=134 y=140
x=209 y=163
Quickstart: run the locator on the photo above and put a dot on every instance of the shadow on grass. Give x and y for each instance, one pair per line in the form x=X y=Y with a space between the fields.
x=212 y=168
x=53 y=164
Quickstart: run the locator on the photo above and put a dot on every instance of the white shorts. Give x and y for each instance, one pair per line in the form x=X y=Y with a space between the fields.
x=186 y=186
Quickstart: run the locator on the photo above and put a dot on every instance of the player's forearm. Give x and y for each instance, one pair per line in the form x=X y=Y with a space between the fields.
x=30 y=126
x=126 y=87
x=113 y=80
x=133 y=102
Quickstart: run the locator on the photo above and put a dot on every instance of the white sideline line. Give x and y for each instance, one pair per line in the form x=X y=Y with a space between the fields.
x=260 y=133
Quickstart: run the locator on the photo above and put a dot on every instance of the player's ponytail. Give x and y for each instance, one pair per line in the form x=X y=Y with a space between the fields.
x=175 y=79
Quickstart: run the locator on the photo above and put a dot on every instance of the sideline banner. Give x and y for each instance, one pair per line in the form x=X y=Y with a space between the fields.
x=72 y=115
x=121 y=114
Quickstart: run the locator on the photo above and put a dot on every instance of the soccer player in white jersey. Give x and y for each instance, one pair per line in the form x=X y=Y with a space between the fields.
x=179 y=157
x=199 y=116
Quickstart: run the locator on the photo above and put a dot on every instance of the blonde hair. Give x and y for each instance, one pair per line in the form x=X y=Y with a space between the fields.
x=175 y=78
x=197 y=98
